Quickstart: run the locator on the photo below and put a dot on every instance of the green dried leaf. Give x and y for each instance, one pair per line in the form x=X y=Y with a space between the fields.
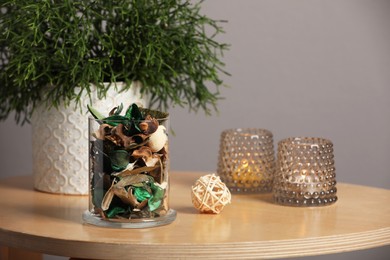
x=158 y=194
x=117 y=110
x=115 y=211
x=115 y=120
x=141 y=193
x=154 y=203
x=133 y=113
x=95 y=113
x=119 y=159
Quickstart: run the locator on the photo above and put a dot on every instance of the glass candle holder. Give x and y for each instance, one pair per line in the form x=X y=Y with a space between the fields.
x=305 y=172
x=246 y=160
x=129 y=173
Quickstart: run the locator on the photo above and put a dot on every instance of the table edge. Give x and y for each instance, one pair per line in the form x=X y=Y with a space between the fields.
x=257 y=249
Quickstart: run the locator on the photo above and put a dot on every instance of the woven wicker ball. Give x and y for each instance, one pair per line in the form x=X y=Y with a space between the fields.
x=209 y=194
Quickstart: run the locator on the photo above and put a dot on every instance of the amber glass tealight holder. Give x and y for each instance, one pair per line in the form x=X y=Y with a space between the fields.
x=246 y=161
x=305 y=172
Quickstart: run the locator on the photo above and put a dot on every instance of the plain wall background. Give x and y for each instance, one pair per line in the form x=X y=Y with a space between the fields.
x=299 y=68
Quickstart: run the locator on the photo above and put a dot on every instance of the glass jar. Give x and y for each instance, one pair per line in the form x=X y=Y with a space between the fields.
x=246 y=160
x=305 y=172
x=129 y=172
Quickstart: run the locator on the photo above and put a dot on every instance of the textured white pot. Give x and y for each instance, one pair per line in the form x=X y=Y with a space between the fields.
x=60 y=141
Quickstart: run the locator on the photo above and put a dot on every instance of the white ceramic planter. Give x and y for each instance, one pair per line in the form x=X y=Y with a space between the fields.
x=60 y=141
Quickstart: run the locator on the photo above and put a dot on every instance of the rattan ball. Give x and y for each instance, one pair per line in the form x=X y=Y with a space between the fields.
x=209 y=194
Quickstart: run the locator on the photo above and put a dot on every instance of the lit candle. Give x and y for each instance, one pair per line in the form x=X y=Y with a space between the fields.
x=305 y=174
x=246 y=160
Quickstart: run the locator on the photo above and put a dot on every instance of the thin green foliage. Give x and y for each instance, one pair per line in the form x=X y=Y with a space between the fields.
x=51 y=51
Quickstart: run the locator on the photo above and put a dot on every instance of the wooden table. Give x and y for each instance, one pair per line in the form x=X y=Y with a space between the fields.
x=251 y=227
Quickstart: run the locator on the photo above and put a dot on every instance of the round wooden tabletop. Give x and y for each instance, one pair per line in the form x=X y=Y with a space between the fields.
x=252 y=226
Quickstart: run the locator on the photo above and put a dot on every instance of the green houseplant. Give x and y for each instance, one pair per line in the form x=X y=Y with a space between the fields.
x=56 y=54
x=71 y=44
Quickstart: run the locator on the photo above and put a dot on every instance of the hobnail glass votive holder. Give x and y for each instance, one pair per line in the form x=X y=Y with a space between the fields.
x=246 y=160
x=305 y=172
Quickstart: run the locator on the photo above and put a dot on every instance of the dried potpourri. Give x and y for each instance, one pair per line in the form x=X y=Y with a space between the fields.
x=129 y=157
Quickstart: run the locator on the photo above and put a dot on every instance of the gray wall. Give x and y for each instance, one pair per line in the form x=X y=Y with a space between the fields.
x=302 y=67
x=299 y=68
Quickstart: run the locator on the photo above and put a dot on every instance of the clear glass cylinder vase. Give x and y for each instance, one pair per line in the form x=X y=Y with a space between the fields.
x=129 y=173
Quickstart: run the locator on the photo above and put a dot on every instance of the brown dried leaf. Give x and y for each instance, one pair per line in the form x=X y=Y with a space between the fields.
x=126 y=197
x=127 y=172
x=132 y=179
x=107 y=199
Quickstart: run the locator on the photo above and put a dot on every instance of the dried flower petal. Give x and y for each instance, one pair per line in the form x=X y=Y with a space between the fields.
x=149 y=126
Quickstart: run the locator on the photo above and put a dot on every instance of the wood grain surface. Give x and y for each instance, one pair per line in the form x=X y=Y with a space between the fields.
x=252 y=226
